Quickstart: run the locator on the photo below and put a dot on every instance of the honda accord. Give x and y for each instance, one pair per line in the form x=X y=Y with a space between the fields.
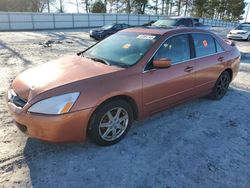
x=128 y=76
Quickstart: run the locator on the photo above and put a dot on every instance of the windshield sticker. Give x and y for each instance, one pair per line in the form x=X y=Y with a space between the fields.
x=146 y=37
x=126 y=46
x=205 y=44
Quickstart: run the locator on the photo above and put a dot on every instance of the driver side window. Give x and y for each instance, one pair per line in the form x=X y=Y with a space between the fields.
x=176 y=49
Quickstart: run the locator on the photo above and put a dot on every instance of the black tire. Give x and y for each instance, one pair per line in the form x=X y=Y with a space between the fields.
x=221 y=86
x=95 y=131
x=248 y=38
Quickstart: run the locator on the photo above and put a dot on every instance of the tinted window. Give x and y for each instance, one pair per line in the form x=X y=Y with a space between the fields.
x=166 y=23
x=198 y=24
x=185 y=22
x=176 y=48
x=218 y=47
x=117 y=27
x=189 y=23
x=124 y=26
x=204 y=44
x=243 y=27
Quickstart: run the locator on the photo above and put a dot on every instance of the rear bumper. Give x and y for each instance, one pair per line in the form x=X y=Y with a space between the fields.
x=71 y=127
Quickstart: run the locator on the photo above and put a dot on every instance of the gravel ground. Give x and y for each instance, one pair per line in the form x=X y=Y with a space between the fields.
x=202 y=143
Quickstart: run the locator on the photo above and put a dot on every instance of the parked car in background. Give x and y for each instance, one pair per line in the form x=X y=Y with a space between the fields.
x=107 y=30
x=245 y=23
x=240 y=32
x=149 y=23
x=128 y=76
x=180 y=22
x=199 y=25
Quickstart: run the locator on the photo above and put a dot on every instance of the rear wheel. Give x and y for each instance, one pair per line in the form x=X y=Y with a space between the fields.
x=111 y=122
x=221 y=86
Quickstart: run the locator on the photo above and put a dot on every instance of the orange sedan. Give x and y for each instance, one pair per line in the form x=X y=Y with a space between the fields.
x=128 y=76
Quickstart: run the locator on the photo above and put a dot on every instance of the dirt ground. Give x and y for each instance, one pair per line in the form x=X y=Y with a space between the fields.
x=202 y=143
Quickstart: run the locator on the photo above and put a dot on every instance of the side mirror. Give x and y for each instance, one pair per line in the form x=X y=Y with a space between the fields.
x=162 y=63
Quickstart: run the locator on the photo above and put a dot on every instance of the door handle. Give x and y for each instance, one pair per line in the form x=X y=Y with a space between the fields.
x=188 y=69
x=221 y=59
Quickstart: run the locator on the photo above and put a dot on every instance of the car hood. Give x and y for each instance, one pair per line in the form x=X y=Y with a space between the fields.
x=237 y=31
x=58 y=73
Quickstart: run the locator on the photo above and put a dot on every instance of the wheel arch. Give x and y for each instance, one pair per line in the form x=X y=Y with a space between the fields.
x=126 y=98
x=230 y=71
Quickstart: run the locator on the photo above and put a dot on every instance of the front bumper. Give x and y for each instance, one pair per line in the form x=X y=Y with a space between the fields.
x=237 y=36
x=70 y=127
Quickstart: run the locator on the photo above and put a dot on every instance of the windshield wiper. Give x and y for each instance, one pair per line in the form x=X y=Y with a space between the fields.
x=99 y=60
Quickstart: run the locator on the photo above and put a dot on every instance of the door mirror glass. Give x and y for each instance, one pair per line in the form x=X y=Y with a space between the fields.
x=162 y=63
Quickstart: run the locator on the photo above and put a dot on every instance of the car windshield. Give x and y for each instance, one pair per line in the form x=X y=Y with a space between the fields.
x=107 y=26
x=165 y=23
x=122 y=49
x=241 y=27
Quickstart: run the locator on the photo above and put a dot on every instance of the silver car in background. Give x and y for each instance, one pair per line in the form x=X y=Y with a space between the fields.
x=240 y=32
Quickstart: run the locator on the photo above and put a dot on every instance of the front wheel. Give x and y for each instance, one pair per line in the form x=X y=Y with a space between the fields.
x=221 y=86
x=111 y=122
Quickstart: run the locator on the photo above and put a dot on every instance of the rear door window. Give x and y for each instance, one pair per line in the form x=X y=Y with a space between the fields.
x=218 y=46
x=204 y=44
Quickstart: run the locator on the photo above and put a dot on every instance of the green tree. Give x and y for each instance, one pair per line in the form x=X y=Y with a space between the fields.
x=200 y=7
x=99 y=7
x=235 y=9
x=140 y=5
x=23 y=5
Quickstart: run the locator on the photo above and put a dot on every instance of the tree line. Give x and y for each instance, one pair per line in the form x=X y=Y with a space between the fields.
x=218 y=9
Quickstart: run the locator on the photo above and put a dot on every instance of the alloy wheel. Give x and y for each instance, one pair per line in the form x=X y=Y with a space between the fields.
x=222 y=85
x=113 y=124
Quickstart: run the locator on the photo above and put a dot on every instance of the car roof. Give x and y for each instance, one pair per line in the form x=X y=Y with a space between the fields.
x=162 y=31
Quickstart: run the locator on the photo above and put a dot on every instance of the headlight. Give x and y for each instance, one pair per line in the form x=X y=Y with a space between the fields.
x=55 y=105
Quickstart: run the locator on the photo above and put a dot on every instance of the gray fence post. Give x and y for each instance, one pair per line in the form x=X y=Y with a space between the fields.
x=32 y=21
x=104 y=19
x=54 y=23
x=88 y=21
x=73 y=20
x=9 y=21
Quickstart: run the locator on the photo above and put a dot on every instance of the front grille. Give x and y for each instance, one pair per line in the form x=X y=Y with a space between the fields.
x=236 y=37
x=15 y=99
